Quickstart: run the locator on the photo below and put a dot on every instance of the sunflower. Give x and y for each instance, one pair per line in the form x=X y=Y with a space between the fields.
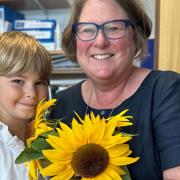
x=38 y=127
x=90 y=150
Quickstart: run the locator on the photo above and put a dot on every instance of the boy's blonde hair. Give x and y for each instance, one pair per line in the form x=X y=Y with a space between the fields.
x=20 y=53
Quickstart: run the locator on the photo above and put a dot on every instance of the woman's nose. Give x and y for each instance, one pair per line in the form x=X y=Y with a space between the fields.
x=101 y=40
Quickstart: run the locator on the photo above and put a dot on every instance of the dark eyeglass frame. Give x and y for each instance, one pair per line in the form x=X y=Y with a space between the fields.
x=101 y=26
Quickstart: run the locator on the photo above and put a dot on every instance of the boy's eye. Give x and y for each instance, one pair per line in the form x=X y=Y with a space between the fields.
x=41 y=83
x=18 y=81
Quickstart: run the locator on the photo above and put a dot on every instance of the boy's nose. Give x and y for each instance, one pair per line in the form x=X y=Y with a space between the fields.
x=30 y=92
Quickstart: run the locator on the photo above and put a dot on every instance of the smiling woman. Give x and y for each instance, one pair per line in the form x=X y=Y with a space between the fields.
x=25 y=68
x=105 y=36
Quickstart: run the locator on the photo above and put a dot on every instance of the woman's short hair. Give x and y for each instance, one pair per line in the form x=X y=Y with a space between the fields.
x=20 y=53
x=136 y=13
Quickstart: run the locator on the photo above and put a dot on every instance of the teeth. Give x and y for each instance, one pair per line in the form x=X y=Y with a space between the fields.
x=102 y=56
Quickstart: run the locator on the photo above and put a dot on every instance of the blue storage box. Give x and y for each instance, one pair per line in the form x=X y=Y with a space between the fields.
x=34 y=24
x=41 y=34
x=148 y=62
x=8 y=14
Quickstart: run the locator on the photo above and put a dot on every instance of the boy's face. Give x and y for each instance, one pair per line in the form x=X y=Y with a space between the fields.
x=19 y=96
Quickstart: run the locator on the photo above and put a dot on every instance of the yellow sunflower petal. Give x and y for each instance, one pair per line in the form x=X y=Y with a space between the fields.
x=122 y=124
x=42 y=129
x=98 y=131
x=53 y=169
x=68 y=133
x=119 y=170
x=33 y=170
x=55 y=155
x=118 y=150
x=66 y=175
x=83 y=178
x=87 y=126
x=80 y=119
x=121 y=119
x=103 y=176
x=30 y=140
x=53 y=141
x=79 y=133
x=59 y=172
x=59 y=143
x=114 y=140
x=127 y=153
x=112 y=173
x=111 y=125
x=42 y=106
x=121 y=161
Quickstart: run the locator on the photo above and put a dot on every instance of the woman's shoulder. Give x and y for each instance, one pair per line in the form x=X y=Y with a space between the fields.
x=165 y=75
x=164 y=79
x=161 y=78
x=161 y=83
x=158 y=82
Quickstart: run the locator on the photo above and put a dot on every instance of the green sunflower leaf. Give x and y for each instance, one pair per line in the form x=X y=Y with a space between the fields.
x=127 y=134
x=27 y=155
x=46 y=134
x=127 y=176
x=54 y=123
x=40 y=144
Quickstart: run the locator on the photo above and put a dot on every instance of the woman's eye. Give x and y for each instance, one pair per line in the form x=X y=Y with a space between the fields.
x=113 y=29
x=89 y=31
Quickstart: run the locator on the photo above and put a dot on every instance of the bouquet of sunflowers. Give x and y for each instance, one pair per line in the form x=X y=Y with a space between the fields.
x=91 y=149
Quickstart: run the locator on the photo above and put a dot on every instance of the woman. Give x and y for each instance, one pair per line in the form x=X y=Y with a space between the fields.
x=105 y=36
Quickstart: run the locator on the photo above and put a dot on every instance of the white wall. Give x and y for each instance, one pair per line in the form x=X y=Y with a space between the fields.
x=150 y=9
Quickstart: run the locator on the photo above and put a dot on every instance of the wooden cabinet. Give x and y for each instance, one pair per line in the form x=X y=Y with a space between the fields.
x=168 y=35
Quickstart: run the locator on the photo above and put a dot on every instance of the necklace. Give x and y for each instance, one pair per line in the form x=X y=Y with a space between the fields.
x=103 y=112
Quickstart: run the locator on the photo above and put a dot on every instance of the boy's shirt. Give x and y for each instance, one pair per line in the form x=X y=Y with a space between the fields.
x=10 y=148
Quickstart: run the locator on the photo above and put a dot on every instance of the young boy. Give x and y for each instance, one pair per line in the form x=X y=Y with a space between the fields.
x=25 y=68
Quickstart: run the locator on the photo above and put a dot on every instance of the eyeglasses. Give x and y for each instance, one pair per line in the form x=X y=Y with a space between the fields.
x=115 y=29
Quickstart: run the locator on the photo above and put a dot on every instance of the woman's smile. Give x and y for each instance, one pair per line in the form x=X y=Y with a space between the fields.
x=101 y=56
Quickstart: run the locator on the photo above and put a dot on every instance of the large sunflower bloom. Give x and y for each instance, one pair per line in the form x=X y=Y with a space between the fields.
x=89 y=150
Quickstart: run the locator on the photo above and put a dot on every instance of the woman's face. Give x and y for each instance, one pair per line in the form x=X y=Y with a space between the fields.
x=104 y=58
